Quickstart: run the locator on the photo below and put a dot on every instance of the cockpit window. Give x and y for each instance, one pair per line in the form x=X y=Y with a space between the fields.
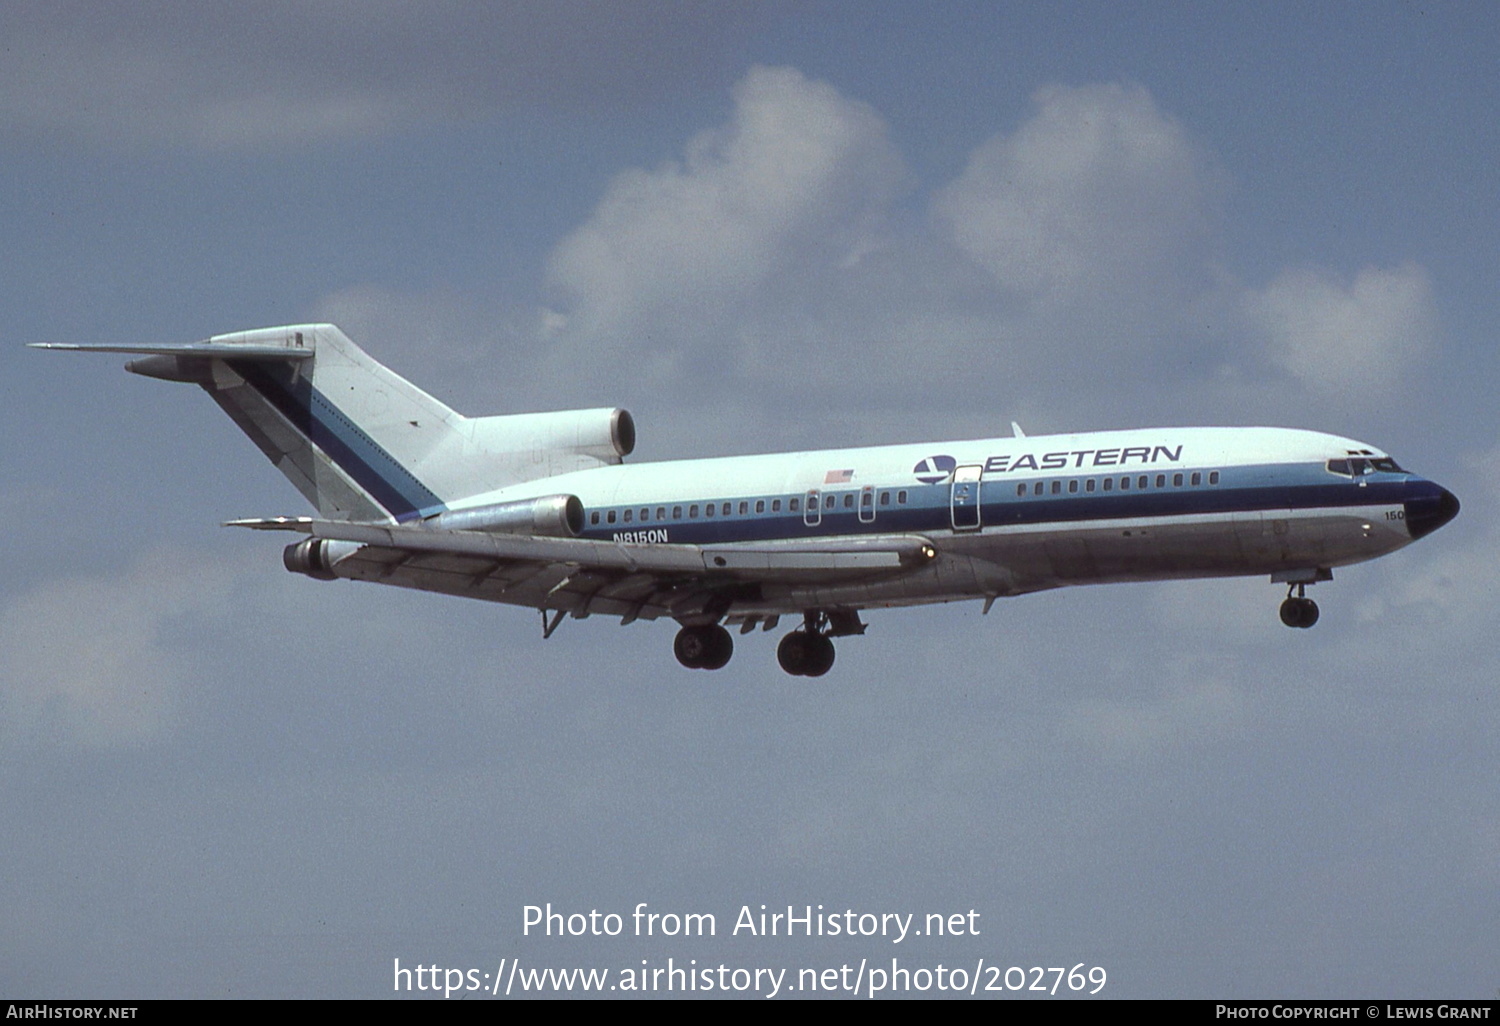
x=1356 y=466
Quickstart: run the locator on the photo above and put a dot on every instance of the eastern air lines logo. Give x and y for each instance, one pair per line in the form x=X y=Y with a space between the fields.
x=934 y=469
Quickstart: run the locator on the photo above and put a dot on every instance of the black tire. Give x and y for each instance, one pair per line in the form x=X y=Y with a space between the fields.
x=793 y=653
x=820 y=655
x=1309 y=613
x=690 y=647
x=720 y=648
x=1291 y=613
x=704 y=647
x=1299 y=612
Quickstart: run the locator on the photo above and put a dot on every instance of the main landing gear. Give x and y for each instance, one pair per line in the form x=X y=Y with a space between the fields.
x=805 y=652
x=1300 y=611
x=703 y=647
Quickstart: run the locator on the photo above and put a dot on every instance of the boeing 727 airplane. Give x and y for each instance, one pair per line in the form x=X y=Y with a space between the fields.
x=540 y=510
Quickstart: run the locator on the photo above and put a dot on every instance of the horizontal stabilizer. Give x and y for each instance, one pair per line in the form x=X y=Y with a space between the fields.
x=212 y=350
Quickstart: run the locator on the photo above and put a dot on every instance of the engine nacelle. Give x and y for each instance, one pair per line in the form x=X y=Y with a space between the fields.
x=552 y=516
x=546 y=444
x=316 y=557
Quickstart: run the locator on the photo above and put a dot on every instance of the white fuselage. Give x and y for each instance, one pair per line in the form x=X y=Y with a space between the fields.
x=1013 y=515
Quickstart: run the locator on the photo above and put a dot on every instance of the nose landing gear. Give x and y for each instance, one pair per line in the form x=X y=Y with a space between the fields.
x=1300 y=611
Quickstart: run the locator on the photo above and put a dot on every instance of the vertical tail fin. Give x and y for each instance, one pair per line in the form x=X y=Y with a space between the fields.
x=346 y=431
x=359 y=441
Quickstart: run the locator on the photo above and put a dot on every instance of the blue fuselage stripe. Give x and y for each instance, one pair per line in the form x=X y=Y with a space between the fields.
x=351 y=450
x=928 y=509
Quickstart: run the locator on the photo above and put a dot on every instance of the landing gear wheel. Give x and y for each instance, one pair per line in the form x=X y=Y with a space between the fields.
x=1299 y=612
x=704 y=647
x=792 y=653
x=805 y=654
x=820 y=655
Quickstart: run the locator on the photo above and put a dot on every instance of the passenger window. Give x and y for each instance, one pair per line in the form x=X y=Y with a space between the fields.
x=901 y=497
x=610 y=516
x=1020 y=489
x=828 y=502
x=775 y=505
x=1213 y=477
x=661 y=512
x=1143 y=482
x=708 y=510
x=791 y=505
x=645 y=515
x=594 y=517
x=760 y=505
x=1161 y=480
x=885 y=498
x=676 y=512
x=1197 y=479
x=1072 y=487
x=849 y=500
x=692 y=511
x=1056 y=487
x=627 y=515
x=1088 y=485
x=744 y=508
x=1176 y=480
x=1124 y=484
x=725 y=510
x=1109 y=483
x=1037 y=488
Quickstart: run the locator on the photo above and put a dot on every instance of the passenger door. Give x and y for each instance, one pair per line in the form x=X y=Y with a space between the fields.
x=963 y=500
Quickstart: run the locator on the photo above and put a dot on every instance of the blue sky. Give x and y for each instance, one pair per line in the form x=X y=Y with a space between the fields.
x=776 y=226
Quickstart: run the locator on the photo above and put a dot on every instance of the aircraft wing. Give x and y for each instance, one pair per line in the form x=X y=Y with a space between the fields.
x=584 y=576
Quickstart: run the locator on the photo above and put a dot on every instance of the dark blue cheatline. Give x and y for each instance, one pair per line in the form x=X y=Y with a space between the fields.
x=353 y=451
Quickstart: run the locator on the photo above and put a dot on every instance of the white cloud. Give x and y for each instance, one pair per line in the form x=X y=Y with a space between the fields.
x=766 y=276
x=1346 y=338
x=1097 y=190
x=798 y=177
x=87 y=659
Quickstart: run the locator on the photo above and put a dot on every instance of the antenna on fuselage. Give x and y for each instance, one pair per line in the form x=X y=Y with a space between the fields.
x=1016 y=430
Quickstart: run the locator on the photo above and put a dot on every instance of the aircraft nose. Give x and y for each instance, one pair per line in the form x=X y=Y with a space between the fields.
x=1426 y=513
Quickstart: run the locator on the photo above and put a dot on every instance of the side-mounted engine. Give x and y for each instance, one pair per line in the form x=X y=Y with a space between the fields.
x=316 y=557
x=552 y=516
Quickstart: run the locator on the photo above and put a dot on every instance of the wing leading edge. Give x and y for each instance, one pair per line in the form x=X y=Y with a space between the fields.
x=584 y=576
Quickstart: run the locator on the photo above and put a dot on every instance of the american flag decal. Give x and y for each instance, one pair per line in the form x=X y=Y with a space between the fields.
x=838 y=477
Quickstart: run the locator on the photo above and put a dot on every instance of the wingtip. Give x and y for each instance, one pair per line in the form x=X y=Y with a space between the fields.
x=271 y=523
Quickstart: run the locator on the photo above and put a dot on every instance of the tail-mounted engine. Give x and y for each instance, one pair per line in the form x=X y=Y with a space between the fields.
x=552 y=516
